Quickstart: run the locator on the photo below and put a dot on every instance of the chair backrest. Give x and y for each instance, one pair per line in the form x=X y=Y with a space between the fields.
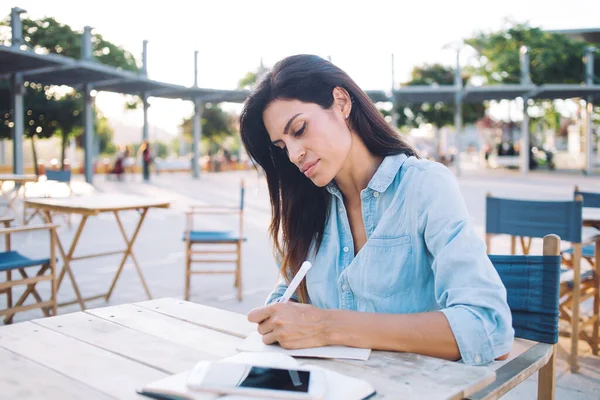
x=532 y=287
x=590 y=199
x=532 y=218
x=59 y=176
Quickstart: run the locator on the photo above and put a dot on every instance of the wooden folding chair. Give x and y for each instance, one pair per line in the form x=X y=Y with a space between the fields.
x=590 y=287
x=532 y=286
x=528 y=219
x=201 y=238
x=11 y=260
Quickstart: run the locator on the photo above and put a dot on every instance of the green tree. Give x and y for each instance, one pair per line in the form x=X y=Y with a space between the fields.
x=554 y=58
x=248 y=81
x=438 y=114
x=39 y=119
x=217 y=125
x=50 y=35
x=63 y=113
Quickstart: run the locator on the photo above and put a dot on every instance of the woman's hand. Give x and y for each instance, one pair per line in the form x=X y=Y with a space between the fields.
x=293 y=325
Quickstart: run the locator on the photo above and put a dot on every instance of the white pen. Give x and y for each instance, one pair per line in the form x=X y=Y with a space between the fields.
x=306 y=265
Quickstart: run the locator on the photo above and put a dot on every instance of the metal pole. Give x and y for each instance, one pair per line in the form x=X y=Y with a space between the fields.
x=197 y=134
x=196 y=125
x=88 y=111
x=18 y=92
x=16 y=27
x=88 y=123
x=261 y=70
x=525 y=80
x=196 y=68
x=145 y=58
x=458 y=83
x=525 y=139
x=145 y=130
x=589 y=81
x=86 y=44
x=145 y=137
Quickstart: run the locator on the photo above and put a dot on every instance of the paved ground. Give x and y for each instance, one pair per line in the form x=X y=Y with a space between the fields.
x=159 y=248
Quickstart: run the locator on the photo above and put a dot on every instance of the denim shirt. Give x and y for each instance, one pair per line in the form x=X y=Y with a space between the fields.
x=422 y=254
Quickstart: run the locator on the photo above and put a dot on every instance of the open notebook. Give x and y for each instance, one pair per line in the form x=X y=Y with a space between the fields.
x=339 y=387
x=254 y=343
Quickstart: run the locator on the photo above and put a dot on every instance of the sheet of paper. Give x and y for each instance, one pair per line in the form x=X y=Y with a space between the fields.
x=254 y=343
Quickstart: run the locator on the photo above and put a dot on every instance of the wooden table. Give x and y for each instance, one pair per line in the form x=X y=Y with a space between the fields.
x=88 y=206
x=108 y=353
x=12 y=195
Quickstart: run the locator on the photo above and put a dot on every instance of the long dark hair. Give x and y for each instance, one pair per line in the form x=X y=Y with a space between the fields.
x=299 y=207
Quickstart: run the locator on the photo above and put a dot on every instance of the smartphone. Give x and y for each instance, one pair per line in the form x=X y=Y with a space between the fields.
x=257 y=381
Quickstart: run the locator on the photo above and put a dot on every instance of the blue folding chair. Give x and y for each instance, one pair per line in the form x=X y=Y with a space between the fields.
x=590 y=200
x=590 y=287
x=13 y=261
x=532 y=286
x=230 y=239
x=529 y=219
x=532 y=290
x=61 y=177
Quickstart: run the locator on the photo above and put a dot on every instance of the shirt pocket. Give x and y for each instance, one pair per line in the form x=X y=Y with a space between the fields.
x=382 y=262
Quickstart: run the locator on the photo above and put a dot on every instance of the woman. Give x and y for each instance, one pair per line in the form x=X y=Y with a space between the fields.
x=397 y=264
x=144 y=150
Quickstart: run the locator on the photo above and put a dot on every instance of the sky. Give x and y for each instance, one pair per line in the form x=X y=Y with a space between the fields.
x=233 y=35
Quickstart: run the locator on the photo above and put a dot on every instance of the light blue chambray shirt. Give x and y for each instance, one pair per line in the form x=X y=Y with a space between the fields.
x=422 y=254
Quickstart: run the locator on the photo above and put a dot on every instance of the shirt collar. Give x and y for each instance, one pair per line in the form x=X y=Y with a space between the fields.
x=383 y=177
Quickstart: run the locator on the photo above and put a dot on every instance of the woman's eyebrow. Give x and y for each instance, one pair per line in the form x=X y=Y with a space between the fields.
x=289 y=123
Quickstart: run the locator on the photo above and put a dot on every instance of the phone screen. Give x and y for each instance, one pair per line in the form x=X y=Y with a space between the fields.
x=247 y=376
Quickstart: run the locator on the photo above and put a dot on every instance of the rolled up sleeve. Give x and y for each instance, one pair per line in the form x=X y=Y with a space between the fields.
x=467 y=287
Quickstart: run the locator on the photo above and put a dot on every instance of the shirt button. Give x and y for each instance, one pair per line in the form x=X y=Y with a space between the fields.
x=477 y=358
x=346 y=249
x=344 y=287
x=375 y=194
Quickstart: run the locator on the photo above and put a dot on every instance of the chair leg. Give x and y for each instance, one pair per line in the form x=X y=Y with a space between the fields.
x=30 y=290
x=9 y=299
x=547 y=378
x=238 y=273
x=188 y=262
x=596 y=315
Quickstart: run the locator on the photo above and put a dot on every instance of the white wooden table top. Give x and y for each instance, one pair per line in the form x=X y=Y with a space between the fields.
x=18 y=177
x=108 y=353
x=97 y=203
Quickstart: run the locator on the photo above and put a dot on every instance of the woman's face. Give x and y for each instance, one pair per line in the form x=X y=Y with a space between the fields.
x=317 y=141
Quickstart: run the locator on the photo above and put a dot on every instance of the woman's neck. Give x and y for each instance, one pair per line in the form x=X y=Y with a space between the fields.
x=357 y=171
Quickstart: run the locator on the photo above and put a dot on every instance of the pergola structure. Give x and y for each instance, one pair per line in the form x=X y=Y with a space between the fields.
x=86 y=75
x=459 y=94
x=19 y=66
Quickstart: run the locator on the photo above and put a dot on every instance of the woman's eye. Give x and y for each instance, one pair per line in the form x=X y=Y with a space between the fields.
x=301 y=130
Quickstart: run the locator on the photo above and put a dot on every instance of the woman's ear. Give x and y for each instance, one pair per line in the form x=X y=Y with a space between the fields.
x=341 y=101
